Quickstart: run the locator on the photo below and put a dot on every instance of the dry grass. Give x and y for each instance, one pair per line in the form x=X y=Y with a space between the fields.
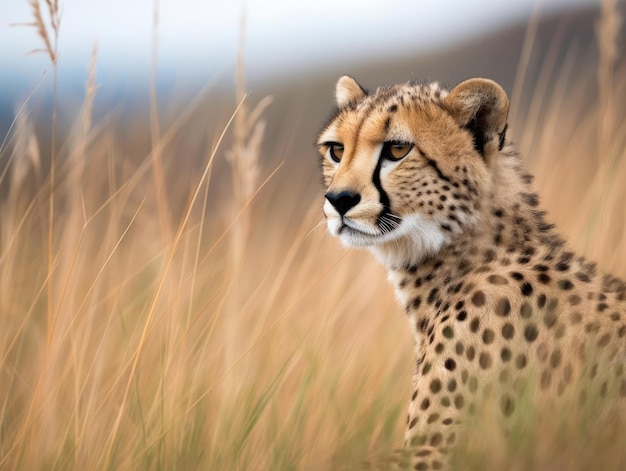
x=146 y=347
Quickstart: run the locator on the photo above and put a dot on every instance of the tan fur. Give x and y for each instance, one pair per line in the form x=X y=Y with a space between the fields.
x=348 y=90
x=494 y=299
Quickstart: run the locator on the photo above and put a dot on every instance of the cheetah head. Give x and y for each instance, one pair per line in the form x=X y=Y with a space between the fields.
x=406 y=167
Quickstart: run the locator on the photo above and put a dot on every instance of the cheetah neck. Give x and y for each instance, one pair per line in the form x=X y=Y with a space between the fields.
x=510 y=227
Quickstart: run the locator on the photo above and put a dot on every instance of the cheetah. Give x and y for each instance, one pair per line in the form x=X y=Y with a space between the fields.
x=427 y=180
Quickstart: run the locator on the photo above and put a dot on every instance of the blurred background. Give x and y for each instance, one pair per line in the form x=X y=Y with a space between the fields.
x=293 y=51
x=169 y=297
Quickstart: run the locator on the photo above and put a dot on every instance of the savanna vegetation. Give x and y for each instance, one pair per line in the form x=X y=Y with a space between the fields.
x=151 y=321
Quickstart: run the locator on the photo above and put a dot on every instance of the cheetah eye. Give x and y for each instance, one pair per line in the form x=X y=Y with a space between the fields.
x=336 y=151
x=394 y=150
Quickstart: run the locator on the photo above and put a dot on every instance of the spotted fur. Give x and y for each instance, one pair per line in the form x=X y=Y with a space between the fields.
x=490 y=289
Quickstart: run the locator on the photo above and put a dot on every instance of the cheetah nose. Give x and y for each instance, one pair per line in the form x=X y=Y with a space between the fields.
x=343 y=201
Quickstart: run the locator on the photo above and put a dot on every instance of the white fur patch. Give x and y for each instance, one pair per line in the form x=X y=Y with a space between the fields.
x=414 y=239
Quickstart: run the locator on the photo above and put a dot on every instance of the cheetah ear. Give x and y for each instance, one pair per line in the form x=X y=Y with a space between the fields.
x=482 y=107
x=348 y=90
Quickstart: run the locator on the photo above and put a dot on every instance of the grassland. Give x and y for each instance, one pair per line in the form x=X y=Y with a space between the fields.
x=149 y=321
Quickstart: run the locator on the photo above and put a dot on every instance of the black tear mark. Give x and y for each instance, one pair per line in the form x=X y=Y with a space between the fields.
x=384 y=200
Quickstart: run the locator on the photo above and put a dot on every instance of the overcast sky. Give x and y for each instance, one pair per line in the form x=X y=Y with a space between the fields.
x=197 y=36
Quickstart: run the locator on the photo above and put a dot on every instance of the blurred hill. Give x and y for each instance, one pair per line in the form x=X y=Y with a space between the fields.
x=562 y=44
x=563 y=47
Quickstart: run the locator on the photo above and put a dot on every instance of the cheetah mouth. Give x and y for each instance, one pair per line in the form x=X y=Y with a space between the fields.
x=413 y=235
x=348 y=226
x=356 y=234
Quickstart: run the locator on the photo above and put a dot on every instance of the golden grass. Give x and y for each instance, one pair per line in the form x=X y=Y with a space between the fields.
x=148 y=347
